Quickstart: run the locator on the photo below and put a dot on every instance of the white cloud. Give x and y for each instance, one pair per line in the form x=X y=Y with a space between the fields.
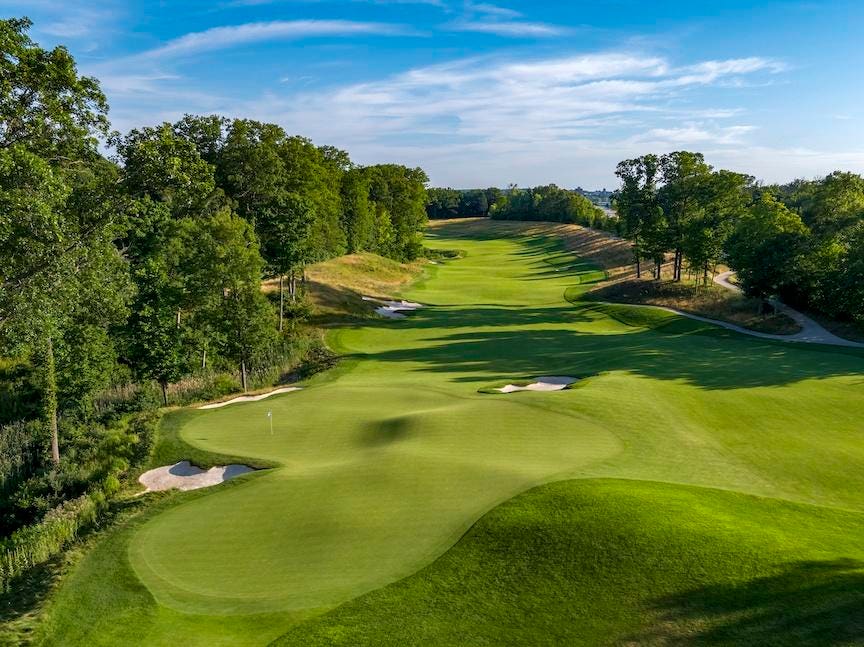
x=465 y=119
x=234 y=35
x=517 y=29
x=491 y=10
x=693 y=134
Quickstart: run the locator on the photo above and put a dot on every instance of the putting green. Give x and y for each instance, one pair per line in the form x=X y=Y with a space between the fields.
x=389 y=459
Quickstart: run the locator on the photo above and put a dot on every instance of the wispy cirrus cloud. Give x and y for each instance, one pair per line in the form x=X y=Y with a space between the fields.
x=492 y=10
x=218 y=38
x=487 y=18
x=471 y=113
x=510 y=28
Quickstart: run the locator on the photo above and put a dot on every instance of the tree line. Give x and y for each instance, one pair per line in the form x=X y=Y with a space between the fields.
x=147 y=264
x=802 y=242
x=543 y=203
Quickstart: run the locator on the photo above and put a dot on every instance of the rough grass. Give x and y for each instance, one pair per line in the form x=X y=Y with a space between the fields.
x=386 y=461
x=336 y=286
x=714 y=302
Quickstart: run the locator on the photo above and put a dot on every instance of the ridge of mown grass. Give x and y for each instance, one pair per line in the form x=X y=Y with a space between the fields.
x=592 y=562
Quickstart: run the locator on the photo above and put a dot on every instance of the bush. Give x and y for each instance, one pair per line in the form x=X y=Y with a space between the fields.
x=128 y=443
x=38 y=543
x=22 y=451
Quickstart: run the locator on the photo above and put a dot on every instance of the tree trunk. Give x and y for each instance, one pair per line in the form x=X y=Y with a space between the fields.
x=164 y=386
x=638 y=257
x=178 y=318
x=204 y=359
x=281 y=301
x=243 y=374
x=49 y=397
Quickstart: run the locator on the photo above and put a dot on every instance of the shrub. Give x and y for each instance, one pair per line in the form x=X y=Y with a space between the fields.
x=38 y=543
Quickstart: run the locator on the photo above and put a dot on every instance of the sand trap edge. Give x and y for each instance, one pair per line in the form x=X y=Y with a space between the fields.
x=184 y=476
x=542 y=384
x=393 y=309
x=250 y=398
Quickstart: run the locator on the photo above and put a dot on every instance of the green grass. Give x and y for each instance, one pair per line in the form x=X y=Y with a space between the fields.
x=611 y=562
x=387 y=460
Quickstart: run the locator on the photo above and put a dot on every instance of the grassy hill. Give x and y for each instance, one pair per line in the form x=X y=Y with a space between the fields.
x=620 y=562
x=707 y=464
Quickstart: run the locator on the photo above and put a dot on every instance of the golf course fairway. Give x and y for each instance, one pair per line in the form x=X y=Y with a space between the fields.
x=688 y=466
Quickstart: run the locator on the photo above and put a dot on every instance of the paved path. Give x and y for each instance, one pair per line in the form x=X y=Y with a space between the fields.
x=811 y=331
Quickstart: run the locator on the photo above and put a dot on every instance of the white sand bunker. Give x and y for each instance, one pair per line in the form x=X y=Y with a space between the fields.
x=250 y=398
x=185 y=476
x=547 y=383
x=394 y=309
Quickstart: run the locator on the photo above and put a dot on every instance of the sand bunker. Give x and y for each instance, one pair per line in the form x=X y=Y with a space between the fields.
x=250 y=398
x=394 y=309
x=548 y=383
x=185 y=476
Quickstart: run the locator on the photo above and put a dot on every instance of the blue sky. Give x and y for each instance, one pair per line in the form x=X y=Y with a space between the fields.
x=488 y=93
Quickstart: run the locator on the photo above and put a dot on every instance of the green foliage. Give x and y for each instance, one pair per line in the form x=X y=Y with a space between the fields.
x=38 y=543
x=400 y=192
x=551 y=204
x=22 y=453
x=104 y=457
x=19 y=391
x=453 y=203
x=44 y=105
x=766 y=246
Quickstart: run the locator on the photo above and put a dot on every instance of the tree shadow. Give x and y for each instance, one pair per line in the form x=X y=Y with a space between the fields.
x=808 y=603
x=677 y=349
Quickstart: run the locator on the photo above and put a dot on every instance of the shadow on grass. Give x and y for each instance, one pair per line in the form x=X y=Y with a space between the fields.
x=676 y=349
x=809 y=603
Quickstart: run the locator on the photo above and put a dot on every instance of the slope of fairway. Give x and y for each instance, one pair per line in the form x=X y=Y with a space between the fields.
x=612 y=562
x=384 y=462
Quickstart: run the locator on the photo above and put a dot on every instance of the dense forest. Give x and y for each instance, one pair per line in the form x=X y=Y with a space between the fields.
x=131 y=268
x=802 y=242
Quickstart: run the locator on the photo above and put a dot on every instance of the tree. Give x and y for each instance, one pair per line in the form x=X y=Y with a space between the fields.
x=636 y=203
x=156 y=338
x=401 y=191
x=310 y=174
x=358 y=212
x=161 y=166
x=722 y=198
x=285 y=243
x=225 y=264
x=44 y=105
x=49 y=120
x=766 y=247
x=683 y=175
x=835 y=203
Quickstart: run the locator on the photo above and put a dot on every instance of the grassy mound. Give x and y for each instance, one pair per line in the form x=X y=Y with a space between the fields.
x=337 y=286
x=610 y=562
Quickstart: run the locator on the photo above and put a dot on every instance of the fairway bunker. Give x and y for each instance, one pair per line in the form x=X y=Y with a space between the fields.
x=185 y=476
x=250 y=398
x=546 y=383
x=393 y=309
